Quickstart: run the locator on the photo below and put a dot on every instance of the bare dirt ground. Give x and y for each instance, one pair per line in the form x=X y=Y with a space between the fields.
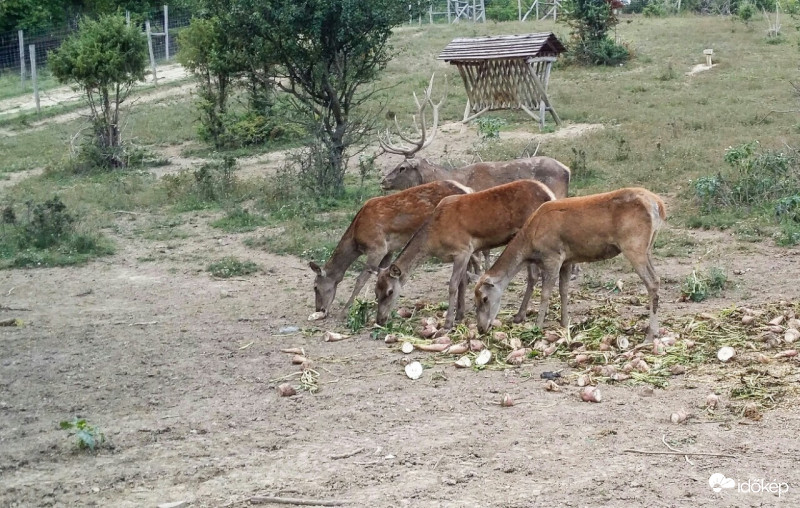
x=179 y=370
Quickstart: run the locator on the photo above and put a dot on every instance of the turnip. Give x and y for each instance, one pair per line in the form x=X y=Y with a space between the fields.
x=390 y=338
x=334 y=337
x=286 y=390
x=316 y=316
x=777 y=321
x=679 y=417
x=458 y=349
x=507 y=400
x=432 y=348
x=483 y=357
x=476 y=345
x=464 y=362
x=298 y=359
x=789 y=353
x=294 y=351
x=551 y=386
x=748 y=319
x=791 y=335
x=405 y=312
x=623 y=343
x=517 y=353
x=407 y=347
x=591 y=394
x=414 y=370
x=726 y=353
x=677 y=370
x=712 y=401
x=427 y=331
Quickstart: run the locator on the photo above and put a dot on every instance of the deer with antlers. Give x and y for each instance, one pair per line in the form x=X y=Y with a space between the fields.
x=479 y=176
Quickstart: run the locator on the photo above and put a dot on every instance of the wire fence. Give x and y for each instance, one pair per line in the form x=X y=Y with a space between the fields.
x=15 y=47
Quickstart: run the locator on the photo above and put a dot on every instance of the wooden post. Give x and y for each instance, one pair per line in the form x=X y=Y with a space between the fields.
x=519 y=10
x=150 y=47
x=448 y=12
x=430 y=14
x=21 y=57
x=32 y=50
x=166 y=32
x=128 y=18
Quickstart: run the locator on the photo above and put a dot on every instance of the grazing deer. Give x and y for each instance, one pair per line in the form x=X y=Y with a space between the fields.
x=459 y=226
x=382 y=226
x=578 y=230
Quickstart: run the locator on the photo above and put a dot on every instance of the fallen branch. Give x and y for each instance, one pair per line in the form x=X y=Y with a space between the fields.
x=18 y=309
x=297 y=501
x=648 y=452
x=347 y=455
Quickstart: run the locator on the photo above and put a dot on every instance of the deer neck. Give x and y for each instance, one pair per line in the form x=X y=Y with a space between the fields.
x=412 y=253
x=511 y=261
x=344 y=255
x=432 y=172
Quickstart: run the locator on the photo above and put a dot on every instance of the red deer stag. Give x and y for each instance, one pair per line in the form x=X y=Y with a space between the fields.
x=578 y=230
x=459 y=226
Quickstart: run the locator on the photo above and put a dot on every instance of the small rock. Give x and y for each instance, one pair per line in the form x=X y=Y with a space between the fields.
x=288 y=329
x=176 y=504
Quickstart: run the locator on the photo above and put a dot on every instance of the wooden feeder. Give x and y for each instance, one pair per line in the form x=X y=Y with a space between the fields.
x=506 y=72
x=708 y=53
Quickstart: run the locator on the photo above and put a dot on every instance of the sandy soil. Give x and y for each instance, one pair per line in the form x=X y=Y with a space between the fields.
x=179 y=371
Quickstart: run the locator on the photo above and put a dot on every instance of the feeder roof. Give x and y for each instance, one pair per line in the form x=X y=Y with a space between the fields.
x=502 y=47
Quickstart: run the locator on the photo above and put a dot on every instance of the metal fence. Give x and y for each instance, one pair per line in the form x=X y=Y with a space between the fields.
x=15 y=47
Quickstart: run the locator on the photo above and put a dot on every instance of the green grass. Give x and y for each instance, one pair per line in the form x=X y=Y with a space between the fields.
x=663 y=130
x=239 y=220
x=231 y=267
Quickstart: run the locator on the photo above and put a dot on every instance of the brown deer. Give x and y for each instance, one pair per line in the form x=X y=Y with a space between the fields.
x=479 y=176
x=382 y=226
x=459 y=226
x=578 y=230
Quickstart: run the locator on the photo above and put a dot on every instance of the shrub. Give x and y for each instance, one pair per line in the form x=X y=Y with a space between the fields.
x=654 y=10
x=88 y=436
x=698 y=286
x=489 y=127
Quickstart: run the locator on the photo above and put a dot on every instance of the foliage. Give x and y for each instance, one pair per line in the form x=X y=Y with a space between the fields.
x=358 y=315
x=104 y=59
x=239 y=220
x=745 y=12
x=502 y=10
x=46 y=235
x=88 y=435
x=231 y=267
x=328 y=50
x=654 y=9
x=208 y=54
x=591 y=21
x=757 y=177
x=211 y=185
x=489 y=127
x=698 y=286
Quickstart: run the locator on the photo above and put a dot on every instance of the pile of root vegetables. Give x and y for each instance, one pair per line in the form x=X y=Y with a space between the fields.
x=747 y=353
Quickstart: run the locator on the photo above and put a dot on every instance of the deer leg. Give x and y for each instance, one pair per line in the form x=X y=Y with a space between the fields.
x=459 y=271
x=563 y=289
x=549 y=274
x=462 y=296
x=643 y=266
x=533 y=275
x=487 y=259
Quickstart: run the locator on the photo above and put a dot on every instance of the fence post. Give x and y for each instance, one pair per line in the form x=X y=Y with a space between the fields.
x=32 y=49
x=150 y=48
x=21 y=57
x=128 y=18
x=166 y=31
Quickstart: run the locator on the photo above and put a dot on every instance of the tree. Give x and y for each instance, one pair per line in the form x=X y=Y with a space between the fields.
x=591 y=20
x=327 y=51
x=104 y=58
x=207 y=54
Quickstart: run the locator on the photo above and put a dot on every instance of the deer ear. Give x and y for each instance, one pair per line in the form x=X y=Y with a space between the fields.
x=319 y=271
x=488 y=283
x=394 y=271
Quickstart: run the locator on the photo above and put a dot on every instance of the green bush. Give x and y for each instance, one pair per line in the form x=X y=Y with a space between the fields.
x=654 y=10
x=211 y=185
x=46 y=235
x=489 y=127
x=502 y=10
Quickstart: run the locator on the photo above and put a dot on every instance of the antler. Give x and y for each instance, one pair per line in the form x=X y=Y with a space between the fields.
x=409 y=151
